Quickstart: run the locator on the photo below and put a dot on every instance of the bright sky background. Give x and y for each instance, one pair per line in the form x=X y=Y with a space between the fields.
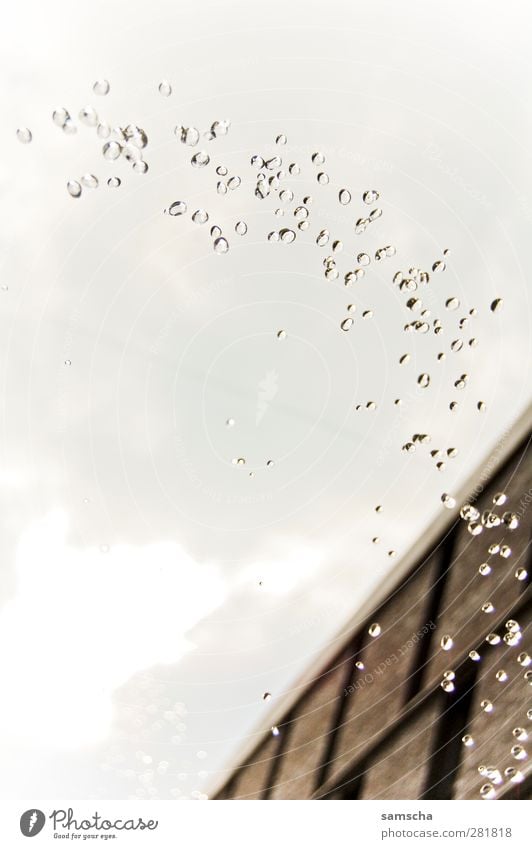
x=151 y=590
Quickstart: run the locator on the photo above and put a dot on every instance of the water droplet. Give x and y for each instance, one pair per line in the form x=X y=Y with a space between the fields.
x=114 y=182
x=404 y=359
x=233 y=183
x=111 y=150
x=520 y=733
x=90 y=181
x=378 y=508
x=452 y=303
x=101 y=87
x=178 y=207
x=322 y=178
x=518 y=753
x=439 y=266
x=486 y=705
x=424 y=380
x=370 y=196
x=487 y=607
x=521 y=574
x=266 y=697
x=487 y=791
x=239 y=461
x=281 y=334
x=74 y=188
x=467 y=740
x=165 y=89
x=318 y=158
x=481 y=406
x=344 y=196
x=493 y=639
x=88 y=116
x=287 y=235
x=469 y=513
x=241 y=228
x=200 y=159
x=187 y=135
x=230 y=423
x=220 y=128
x=524 y=659
x=200 y=216
x=496 y=305
x=505 y=551
x=374 y=630
x=484 y=569
x=363 y=259
x=24 y=135
x=346 y=324
x=60 y=116
x=275 y=731
x=474 y=655
x=446 y=642
x=270 y=464
x=490 y=519
x=457 y=345
x=140 y=166
x=221 y=245
x=367 y=314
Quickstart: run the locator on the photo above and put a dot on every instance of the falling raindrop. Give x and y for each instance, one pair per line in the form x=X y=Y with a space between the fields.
x=89 y=181
x=165 y=89
x=287 y=235
x=200 y=159
x=24 y=135
x=200 y=216
x=101 y=87
x=179 y=207
x=74 y=188
x=112 y=150
x=88 y=116
x=221 y=245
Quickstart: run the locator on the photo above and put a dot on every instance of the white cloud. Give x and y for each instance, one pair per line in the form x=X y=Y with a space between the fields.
x=83 y=622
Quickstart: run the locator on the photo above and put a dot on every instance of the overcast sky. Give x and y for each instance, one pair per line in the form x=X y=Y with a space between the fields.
x=153 y=590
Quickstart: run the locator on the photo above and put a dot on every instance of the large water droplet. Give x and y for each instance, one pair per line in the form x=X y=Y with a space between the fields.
x=344 y=196
x=221 y=245
x=24 y=135
x=374 y=630
x=111 y=150
x=101 y=87
x=178 y=207
x=200 y=159
x=200 y=216
x=370 y=196
x=346 y=324
x=88 y=116
x=74 y=188
x=165 y=89
x=496 y=305
x=446 y=642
